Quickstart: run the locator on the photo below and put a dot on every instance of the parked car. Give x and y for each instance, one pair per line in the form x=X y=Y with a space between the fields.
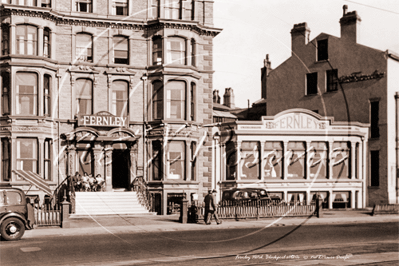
x=246 y=194
x=14 y=213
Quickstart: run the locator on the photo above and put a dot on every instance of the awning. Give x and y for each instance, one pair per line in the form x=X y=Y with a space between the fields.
x=35 y=180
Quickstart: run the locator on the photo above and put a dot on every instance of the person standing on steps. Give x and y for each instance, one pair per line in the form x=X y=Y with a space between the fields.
x=210 y=207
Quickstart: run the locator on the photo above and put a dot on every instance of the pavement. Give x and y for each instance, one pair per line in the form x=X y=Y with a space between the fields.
x=119 y=224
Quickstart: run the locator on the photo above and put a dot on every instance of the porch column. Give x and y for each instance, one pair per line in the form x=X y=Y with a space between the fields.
x=98 y=156
x=353 y=160
x=108 y=167
x=285 y=162
x=133 y=162
x=71 y=160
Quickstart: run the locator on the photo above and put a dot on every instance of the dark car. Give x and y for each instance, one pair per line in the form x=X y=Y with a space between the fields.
x=245 y=194
x=14 y=213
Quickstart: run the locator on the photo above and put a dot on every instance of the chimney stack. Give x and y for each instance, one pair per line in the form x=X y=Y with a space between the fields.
x=349 y=25
x=299 y=37
x=216 y=97
x=228 y=98
x=265 y=70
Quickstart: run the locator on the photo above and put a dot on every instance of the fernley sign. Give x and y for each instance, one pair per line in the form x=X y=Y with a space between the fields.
x=103 y=119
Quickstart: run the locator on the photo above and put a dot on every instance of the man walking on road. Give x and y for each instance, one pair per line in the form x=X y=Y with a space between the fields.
x=210 y=207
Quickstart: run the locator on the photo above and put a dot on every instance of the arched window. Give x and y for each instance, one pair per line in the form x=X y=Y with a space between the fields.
x=84 y=96
x=47 y=95
x=121 y=50
x=26 y=39
x=46 y=43
x=176 y=100
x=157 y=100
x=5 y=39
x=157 y=50
x=120 y=103
x=176 y=51
x=26 y=93
x=84 y=47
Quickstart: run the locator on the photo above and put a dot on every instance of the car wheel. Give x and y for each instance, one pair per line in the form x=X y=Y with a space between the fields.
x=12 y=229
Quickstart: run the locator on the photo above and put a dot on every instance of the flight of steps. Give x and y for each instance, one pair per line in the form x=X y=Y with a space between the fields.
x=108 y=203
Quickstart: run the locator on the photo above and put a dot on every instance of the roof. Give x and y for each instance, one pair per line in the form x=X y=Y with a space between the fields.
x=218 y=106
x=223 y=114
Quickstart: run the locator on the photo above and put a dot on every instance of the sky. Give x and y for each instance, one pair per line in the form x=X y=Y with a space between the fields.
x=254 y=28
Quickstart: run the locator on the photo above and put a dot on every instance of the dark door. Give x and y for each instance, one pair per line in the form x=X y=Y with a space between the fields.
x=120 y=169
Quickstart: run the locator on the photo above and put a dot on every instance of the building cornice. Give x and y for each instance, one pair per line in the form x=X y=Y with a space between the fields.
x=66 y=19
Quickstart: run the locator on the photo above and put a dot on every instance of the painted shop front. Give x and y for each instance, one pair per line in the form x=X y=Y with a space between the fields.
x=294 y=155
x=103 y=144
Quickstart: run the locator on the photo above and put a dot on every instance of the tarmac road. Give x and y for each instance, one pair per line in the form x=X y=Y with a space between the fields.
x=337 y=244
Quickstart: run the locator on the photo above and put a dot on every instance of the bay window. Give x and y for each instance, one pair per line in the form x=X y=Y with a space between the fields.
x=175 y=100
x=157 y=50
x=46 y=43
x=5 y=93
x=119 y=103
x=47 y=159
x=5 y=159
x=84 y=96
x=27 y=154
x=176 y=160
x=84 y=47
x=176 y=51
x=26 y=39
x=5 y=39
x=121 y=50
x=172 y=9
x=157 y=100
x=26 y=93
x=47 y=95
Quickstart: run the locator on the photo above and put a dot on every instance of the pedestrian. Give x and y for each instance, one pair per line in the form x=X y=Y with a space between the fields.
x=210 y=207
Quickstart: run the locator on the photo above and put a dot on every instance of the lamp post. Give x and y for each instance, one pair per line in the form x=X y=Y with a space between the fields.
x=144 y=79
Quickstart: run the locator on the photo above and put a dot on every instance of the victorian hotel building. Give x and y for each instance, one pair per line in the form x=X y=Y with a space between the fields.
x=120 y=88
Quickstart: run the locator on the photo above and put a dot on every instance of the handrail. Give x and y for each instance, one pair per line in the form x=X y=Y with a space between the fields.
x=140 y=186
x=56 y=190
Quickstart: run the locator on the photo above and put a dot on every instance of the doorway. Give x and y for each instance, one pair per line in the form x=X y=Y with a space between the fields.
x=120 y=169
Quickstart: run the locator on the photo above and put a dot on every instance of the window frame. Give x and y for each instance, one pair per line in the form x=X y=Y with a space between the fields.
x=46 y=3
x=35 y=155
x=25 y=42
x=157 y=100
x=157 y=50
x=88 y=99
x=115 y=44
x=5 y=159
x=47 y=94
x=175 y=147
x=332 y=80
x=311 y=80
x=47 y=43
x=374 y=119
x=5 y=93
x=173 y=9
x=115 y=101
x=193 y=89
x=87 y=56
x=47 y=156
x=250 y=158
x=172 y=103
x=120 y=3
x=88 y=4
x=171 y=51
x=156 y=166
x=322 y=50
x=5 y=39
x=31 y=96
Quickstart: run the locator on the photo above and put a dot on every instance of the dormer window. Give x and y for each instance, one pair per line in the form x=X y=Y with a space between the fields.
x=322 y=50
x=84 y=6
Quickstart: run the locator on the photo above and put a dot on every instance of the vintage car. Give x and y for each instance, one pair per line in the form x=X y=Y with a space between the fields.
x=14 y=213
x=245 y=194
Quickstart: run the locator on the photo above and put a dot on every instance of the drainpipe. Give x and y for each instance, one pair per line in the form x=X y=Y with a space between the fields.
x=397 y=144
x=144 y=79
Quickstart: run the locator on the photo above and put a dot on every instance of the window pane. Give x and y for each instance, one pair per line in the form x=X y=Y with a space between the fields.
x=26 y=93
x=317 y=160
x=13 y=198
x=296 y=160
x=119 y=98
x=84 y=96
x=273 y=155
x=176 y=51
x=249 y=160
x=340 y=160
x=176 y=159
x=175 y=106
x=84 y=47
